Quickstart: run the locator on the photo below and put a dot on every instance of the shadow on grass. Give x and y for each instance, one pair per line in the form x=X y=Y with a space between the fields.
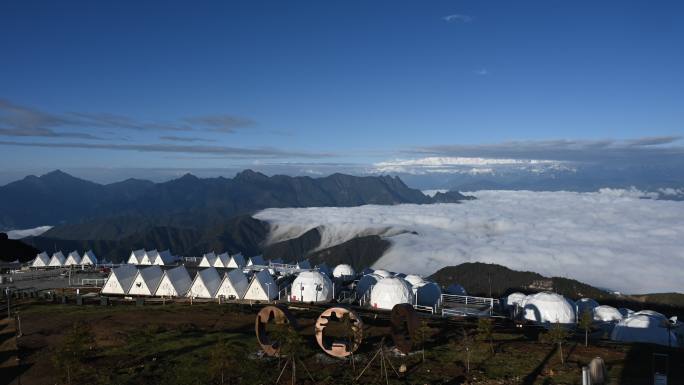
x=532 y=377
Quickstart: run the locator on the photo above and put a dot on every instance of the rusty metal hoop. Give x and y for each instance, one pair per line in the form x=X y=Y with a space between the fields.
x=278 y=315
x=404 y=326
x=339 y=348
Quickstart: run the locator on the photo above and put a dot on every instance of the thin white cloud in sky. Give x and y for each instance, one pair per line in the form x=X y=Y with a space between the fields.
x=457 y=18
x=34 y=232
x=612 y=239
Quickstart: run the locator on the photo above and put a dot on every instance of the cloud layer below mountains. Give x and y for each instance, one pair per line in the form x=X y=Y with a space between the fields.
x=612 y=239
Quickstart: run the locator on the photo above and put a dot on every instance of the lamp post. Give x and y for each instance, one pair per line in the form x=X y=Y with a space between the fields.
x=268 y=291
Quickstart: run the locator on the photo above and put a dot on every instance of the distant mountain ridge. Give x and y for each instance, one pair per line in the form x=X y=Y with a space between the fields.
x=59 y=198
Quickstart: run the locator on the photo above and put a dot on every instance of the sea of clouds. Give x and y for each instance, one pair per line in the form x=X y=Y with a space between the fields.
x=614 y=239
x=23 y=233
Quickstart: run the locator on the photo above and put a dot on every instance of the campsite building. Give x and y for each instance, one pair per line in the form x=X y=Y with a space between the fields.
x=344 y=272
x=205 y=284
x=120 y=280
x=146 y=281
x=136 y=257
x=42 y=260
x=89 y=258
x=175 y=282
x=391 y=291
x=73 y=259
x=312 y=286
x=262 y=287
x=234 y=285
x=57 y=260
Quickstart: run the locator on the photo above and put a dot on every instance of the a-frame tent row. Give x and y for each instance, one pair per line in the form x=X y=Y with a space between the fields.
x=151 y=257
x=42 y=260
x=73 y=259
x=58 y=259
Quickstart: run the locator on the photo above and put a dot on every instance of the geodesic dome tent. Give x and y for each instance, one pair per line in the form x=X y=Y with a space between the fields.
x=311 y=286
x=547 y=308
x=585 y=304
x=414 y=279
x=456 y=289
x=344 y=271
x=365 y=283
x=605 y=313
x=515 y=299
x=389 y=292
x=426 y=293
x=382 y=273
x=645 y=326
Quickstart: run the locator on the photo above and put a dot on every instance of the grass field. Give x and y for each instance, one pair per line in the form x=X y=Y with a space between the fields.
x=203 y=343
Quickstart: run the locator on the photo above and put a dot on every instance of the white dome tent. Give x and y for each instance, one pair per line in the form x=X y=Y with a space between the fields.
x=365 y=283
x=515 y=299
x=456 y=289
x=389 y=292
x=547 y=308
x=311 y=286
x=344 y=272
x=645 y=326
x=605 y=313
x=414 y=279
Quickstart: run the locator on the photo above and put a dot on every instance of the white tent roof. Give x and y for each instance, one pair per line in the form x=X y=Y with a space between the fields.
x=174 y=283
x=515 y=299
x=312 y=286
x=456 y=289
x=205 y=284
x=236 y=261
x=234 y=284
x=261 y=286
x=344 y=271
x=41 y=260
x=426 y=293
x=549 y=307
x=149 y=257
x=120 y=280
x=89 y=258
x=73 y=259
x=136 y=257
x=605 y=313
x=208 y=260
x=644 y=327
x=164 y=258
x=382 y=273
x=389 y=292
x=57 y=259
x=366 y=282
x=146 y=281
x=585 y=304
x=222 y=260
x=256 y=260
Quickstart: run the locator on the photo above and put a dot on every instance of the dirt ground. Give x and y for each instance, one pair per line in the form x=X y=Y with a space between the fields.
x=178 y=344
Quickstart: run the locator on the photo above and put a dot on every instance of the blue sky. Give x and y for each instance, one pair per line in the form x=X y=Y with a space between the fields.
x=248 y=83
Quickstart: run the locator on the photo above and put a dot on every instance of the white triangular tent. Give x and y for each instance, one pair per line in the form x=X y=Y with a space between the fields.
x=205 y=284
x=89 y=258
x=120 y=280
x=73 y=259
x=41 y=260
x=256 y=260
x=146 y=281
x=57 y=259
x=174 y=283
x=208 y=260
x=136 y=257
x=222 y=260
x=164 y=258
x=149 y=257
x=237 y=261
x=234 y=285
x=262 y=287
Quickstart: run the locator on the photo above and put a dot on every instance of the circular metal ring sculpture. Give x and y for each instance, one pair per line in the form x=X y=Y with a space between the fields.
x=340 y=347
x=404 y=326
x=278 y=315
